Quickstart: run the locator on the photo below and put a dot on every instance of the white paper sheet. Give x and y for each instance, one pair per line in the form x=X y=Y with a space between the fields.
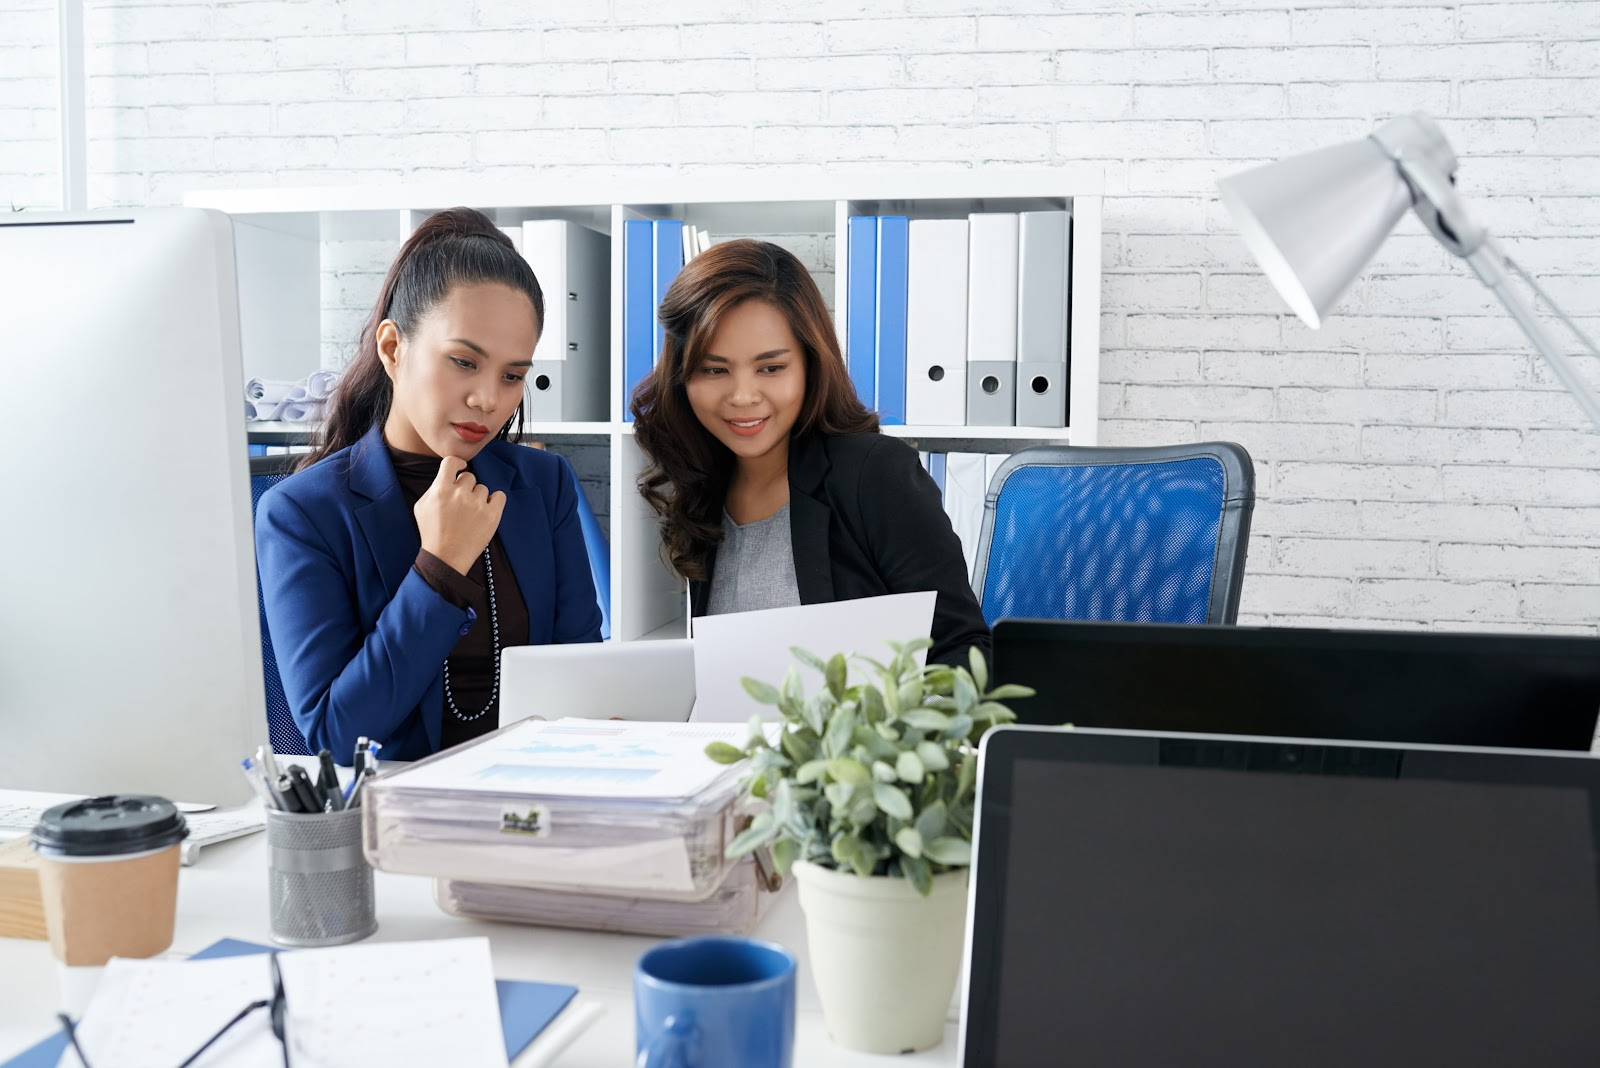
x=584 y=758
x=729 y=647
x=343 y=1006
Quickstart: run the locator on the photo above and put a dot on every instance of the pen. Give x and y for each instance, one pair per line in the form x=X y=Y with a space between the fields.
x=268 y=783
x=257 y=783
x=359 y=760
x=285 y=788
x=328 y=781
x=305 y=793
x=268 y=761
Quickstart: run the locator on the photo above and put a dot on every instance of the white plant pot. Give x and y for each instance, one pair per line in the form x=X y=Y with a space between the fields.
x=884 y=958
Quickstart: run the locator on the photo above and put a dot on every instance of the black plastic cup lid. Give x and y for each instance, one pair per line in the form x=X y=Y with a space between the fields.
x=109 y=826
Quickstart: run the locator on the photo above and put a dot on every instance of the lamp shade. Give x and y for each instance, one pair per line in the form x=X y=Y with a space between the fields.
x=1314 y=220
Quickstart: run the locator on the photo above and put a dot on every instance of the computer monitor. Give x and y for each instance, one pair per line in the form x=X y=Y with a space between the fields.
x=1521 y=691
x=130 y=652
x=1152 y=899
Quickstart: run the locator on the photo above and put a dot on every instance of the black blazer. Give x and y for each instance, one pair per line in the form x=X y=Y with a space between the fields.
x=866 y=520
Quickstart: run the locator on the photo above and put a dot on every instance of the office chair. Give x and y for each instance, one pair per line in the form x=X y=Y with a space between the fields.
x=1149 y=535
x=599 y=550
x=282 y=731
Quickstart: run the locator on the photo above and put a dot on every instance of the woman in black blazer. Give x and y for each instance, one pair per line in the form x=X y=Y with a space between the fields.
x=760 y=452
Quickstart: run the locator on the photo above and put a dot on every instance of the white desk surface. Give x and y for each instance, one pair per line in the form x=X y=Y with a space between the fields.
x=224 y=895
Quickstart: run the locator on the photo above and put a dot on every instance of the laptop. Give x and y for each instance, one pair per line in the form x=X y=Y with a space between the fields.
x=641 y=680
x=1519 y=691
x=1161 y=899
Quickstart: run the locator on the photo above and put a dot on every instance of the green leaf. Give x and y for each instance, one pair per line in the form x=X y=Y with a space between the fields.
x=838 y=795
x=810 y=771
x=980 y=668
x=872 y=705
x=841 y=730
x=933 y=756
x=845 y=848
x=991 y=712
x=835 y=673
x=918 y=873
x=882 y=772
x=753 y=837
x=793 y=692
x=960 y=726
x=814 y=714
x=846 y=770
x=966 y=694
x=809 y=659
x=931 y=821
x=909 y=841
x=939 y=680
x=926 y=719
x=1001 y=693
x=887 y=732
x=785 y=851
x=916 y=645
x=968 y=777
x=892 y=800
x=795 y=747
x=909 y=767
x=759 y=690
x=951 y=852
x=758 y=787
x=723 y=753
x=911 y=693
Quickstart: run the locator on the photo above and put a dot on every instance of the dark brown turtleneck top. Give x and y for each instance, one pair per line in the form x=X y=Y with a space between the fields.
x=472 y=661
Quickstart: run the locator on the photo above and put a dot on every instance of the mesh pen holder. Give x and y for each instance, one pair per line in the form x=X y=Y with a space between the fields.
x=319 y=885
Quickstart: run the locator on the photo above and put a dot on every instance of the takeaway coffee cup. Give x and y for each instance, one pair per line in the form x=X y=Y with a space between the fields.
x=108 y=873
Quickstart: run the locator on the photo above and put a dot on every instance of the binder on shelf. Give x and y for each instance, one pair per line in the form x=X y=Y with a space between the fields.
x=861 y=315
x=893 y=249
x=936 y=468
x=1043 y=299
x=936 y=323
x=963 y=500
x=668 y=262
x=638 y=307
x=992 y=320
x=572 y=263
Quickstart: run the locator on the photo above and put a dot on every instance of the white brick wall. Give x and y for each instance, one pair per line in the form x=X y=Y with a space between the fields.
x=1417 y=466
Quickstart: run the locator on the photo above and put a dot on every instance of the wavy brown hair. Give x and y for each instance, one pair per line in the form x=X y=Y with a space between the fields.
x=686 y=481
x=457 y=246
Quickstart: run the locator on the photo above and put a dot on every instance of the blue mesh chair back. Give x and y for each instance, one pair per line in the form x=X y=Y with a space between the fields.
x=1148 y=535
x=599 y=551
x=282 y=730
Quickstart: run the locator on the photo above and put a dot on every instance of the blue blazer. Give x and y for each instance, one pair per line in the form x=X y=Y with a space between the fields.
x=359 y=636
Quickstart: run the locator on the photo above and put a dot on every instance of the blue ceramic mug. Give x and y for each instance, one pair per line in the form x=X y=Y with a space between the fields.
x=714 y=1002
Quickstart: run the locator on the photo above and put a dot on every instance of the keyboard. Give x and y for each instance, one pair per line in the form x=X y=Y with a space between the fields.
x=21 y=809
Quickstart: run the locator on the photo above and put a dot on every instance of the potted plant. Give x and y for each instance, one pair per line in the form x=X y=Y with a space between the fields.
x=869 y=798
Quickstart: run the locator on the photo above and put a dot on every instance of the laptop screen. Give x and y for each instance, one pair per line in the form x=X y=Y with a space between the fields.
x=1158 y=900
x=1521 y=691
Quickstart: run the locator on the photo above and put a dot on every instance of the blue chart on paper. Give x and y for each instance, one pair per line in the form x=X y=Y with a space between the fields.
x=552 y=776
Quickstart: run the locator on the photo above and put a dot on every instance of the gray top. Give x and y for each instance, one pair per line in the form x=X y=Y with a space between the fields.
x=755 y=566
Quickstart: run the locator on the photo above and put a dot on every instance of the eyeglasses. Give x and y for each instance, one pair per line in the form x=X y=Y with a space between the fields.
x=277 y=1007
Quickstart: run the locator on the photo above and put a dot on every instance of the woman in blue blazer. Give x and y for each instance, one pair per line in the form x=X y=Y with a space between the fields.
x=417 y=541
x=772 y=482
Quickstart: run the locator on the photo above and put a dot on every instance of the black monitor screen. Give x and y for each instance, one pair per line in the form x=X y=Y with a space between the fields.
x=1433 y=688
x=1149 y=914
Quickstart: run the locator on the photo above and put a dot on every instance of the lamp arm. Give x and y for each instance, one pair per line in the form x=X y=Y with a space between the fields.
x=1437 y=204
x=1494 y=270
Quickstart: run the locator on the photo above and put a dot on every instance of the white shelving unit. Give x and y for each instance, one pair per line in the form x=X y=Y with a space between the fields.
x=281 y=233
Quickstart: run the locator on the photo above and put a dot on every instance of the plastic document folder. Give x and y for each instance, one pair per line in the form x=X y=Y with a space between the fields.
x=526 y=1011
x=576 y=804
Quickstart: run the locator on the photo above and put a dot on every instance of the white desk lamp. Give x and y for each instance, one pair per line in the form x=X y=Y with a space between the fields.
x=1314 y=220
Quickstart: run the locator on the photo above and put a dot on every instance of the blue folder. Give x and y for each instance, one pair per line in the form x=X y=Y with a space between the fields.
x=526 y=1009
x=669 y=261
x=894 y=238
x=861 y=314
x=638 y=307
